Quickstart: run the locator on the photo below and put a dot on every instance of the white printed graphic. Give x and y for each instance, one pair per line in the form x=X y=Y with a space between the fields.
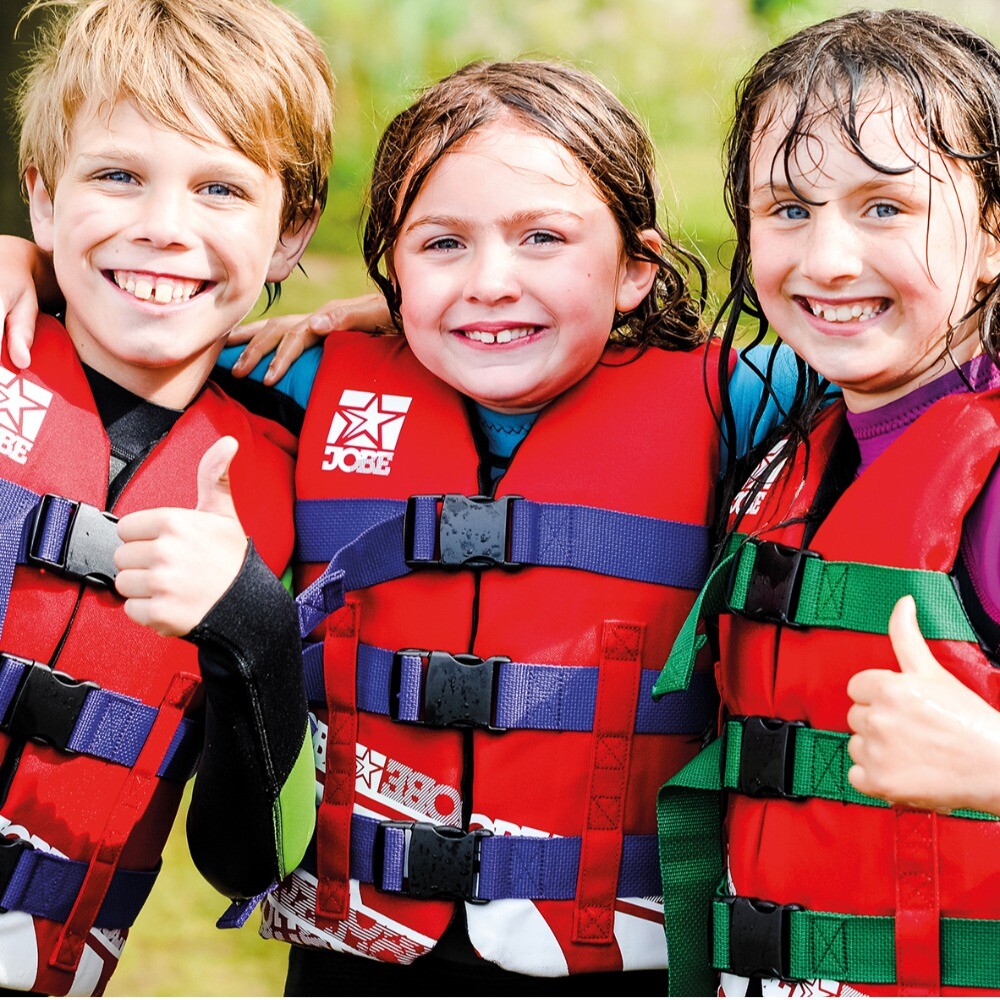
x=758 y=483
x=364 y=432
x=23 y=406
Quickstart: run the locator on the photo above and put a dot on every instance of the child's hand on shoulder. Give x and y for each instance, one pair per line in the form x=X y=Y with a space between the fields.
x=921 y=737
x=175 y=564
x=25 y=266
x=290 y=336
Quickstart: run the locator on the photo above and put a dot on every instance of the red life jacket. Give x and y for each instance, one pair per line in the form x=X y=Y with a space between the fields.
x=837 y=857
x=567 y=790
x=109 y=818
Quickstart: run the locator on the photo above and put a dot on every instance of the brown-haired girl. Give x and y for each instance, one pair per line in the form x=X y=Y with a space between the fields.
x=864 y=181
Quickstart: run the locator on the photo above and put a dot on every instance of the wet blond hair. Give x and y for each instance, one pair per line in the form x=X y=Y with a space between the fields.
x=256 y=71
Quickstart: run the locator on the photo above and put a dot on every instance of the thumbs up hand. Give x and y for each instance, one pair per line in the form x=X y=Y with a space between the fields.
x=921 y=737
x=175 y=564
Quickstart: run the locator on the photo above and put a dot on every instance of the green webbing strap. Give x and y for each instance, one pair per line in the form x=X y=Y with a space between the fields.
x=294 y=810
x=820 y=766
x=860 y=596
x=689 y=817
x=711 y=600
x=854 y=949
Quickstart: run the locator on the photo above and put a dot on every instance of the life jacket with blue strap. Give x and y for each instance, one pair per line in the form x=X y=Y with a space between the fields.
x=480 y=668
x=825 y=883
x=99 y=716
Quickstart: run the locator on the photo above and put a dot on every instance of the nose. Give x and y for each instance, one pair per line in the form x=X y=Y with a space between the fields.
x=833 y=252
x=492 y=276
x=162 y=219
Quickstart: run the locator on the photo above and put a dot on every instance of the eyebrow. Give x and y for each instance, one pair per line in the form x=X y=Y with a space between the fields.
x=516 y=219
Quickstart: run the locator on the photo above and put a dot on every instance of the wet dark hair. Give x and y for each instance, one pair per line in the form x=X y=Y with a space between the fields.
x=945 y=77
x=582 y=115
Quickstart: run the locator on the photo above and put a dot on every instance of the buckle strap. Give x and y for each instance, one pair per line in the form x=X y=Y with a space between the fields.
x=475 y=866
x=74 y=539
x=755 y=937
x=799 y=588
x=521 y=695
x=775 y=758
x=370 y=542
x=47 y=706
x=45 y=885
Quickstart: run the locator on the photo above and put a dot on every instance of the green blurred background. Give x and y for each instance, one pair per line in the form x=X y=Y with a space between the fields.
x=673 y=61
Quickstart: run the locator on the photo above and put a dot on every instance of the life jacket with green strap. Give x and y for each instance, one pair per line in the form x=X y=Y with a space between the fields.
x=825 y=883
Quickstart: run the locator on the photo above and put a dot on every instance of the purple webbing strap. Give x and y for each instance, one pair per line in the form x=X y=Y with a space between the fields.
x=374 y=556
x=529 y=695
x=45 y=885
x=512 y=867
x=629 y=546
x=17 y=505
x=609 y=542
x=238 y=912
x=112 y=726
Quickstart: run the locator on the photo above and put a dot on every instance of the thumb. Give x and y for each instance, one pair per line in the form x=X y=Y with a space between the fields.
x=908 y=644
x=214 y=493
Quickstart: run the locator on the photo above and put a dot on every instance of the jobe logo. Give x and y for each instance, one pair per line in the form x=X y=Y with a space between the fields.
x=364 y=432
x=23 y=406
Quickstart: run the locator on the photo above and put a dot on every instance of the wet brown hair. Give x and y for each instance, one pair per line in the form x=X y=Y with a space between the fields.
x=582 y=115
x=943 y=77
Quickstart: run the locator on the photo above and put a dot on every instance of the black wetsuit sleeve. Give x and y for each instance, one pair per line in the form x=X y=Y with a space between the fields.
x=255 y=727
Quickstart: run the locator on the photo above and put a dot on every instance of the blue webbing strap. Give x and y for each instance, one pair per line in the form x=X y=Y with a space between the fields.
x=528 y=695
x=45 y=885
x=362 y=542
x=110 y=726
x=511 y=867
x=17 y=507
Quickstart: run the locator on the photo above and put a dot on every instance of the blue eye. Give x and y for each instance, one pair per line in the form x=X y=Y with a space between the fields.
x=542 y=238
x=794 y=213
x=883 y=211
x=444 y=243
x=220 y=190
x=117 y=176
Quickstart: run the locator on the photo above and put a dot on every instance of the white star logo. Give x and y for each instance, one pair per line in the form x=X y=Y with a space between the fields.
x=23 y=404
x=369 y=770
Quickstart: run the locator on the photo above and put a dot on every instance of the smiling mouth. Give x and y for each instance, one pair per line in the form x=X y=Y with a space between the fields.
x=857 y=310
x=506 y=336
x=157 y=288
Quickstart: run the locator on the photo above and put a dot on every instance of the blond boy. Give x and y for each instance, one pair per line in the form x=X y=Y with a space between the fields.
x=174 y=154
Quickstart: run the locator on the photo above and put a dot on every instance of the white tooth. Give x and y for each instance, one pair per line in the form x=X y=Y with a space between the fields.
x=488 y=338
x=119 y=279
x=866 y=313
x=130 y=284
x=830 y=315
x=181 y=292
x=843 y=313
x=504 y=337
x=164 y=292
x=817 y=309
x=143 y=289
x=856 y=311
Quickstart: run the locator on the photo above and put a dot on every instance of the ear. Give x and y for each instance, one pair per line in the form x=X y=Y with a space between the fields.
x=40 y=208
x=637 y=275
x=291 y=245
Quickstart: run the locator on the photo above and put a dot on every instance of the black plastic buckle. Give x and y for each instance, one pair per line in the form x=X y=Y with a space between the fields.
x=442 y=862
x=473 y=532
x=88 y=551
x=459 y=689
x=11 y=849
x=775 y=583
x=767 y=757
x=46 y=705
x=759 y=937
